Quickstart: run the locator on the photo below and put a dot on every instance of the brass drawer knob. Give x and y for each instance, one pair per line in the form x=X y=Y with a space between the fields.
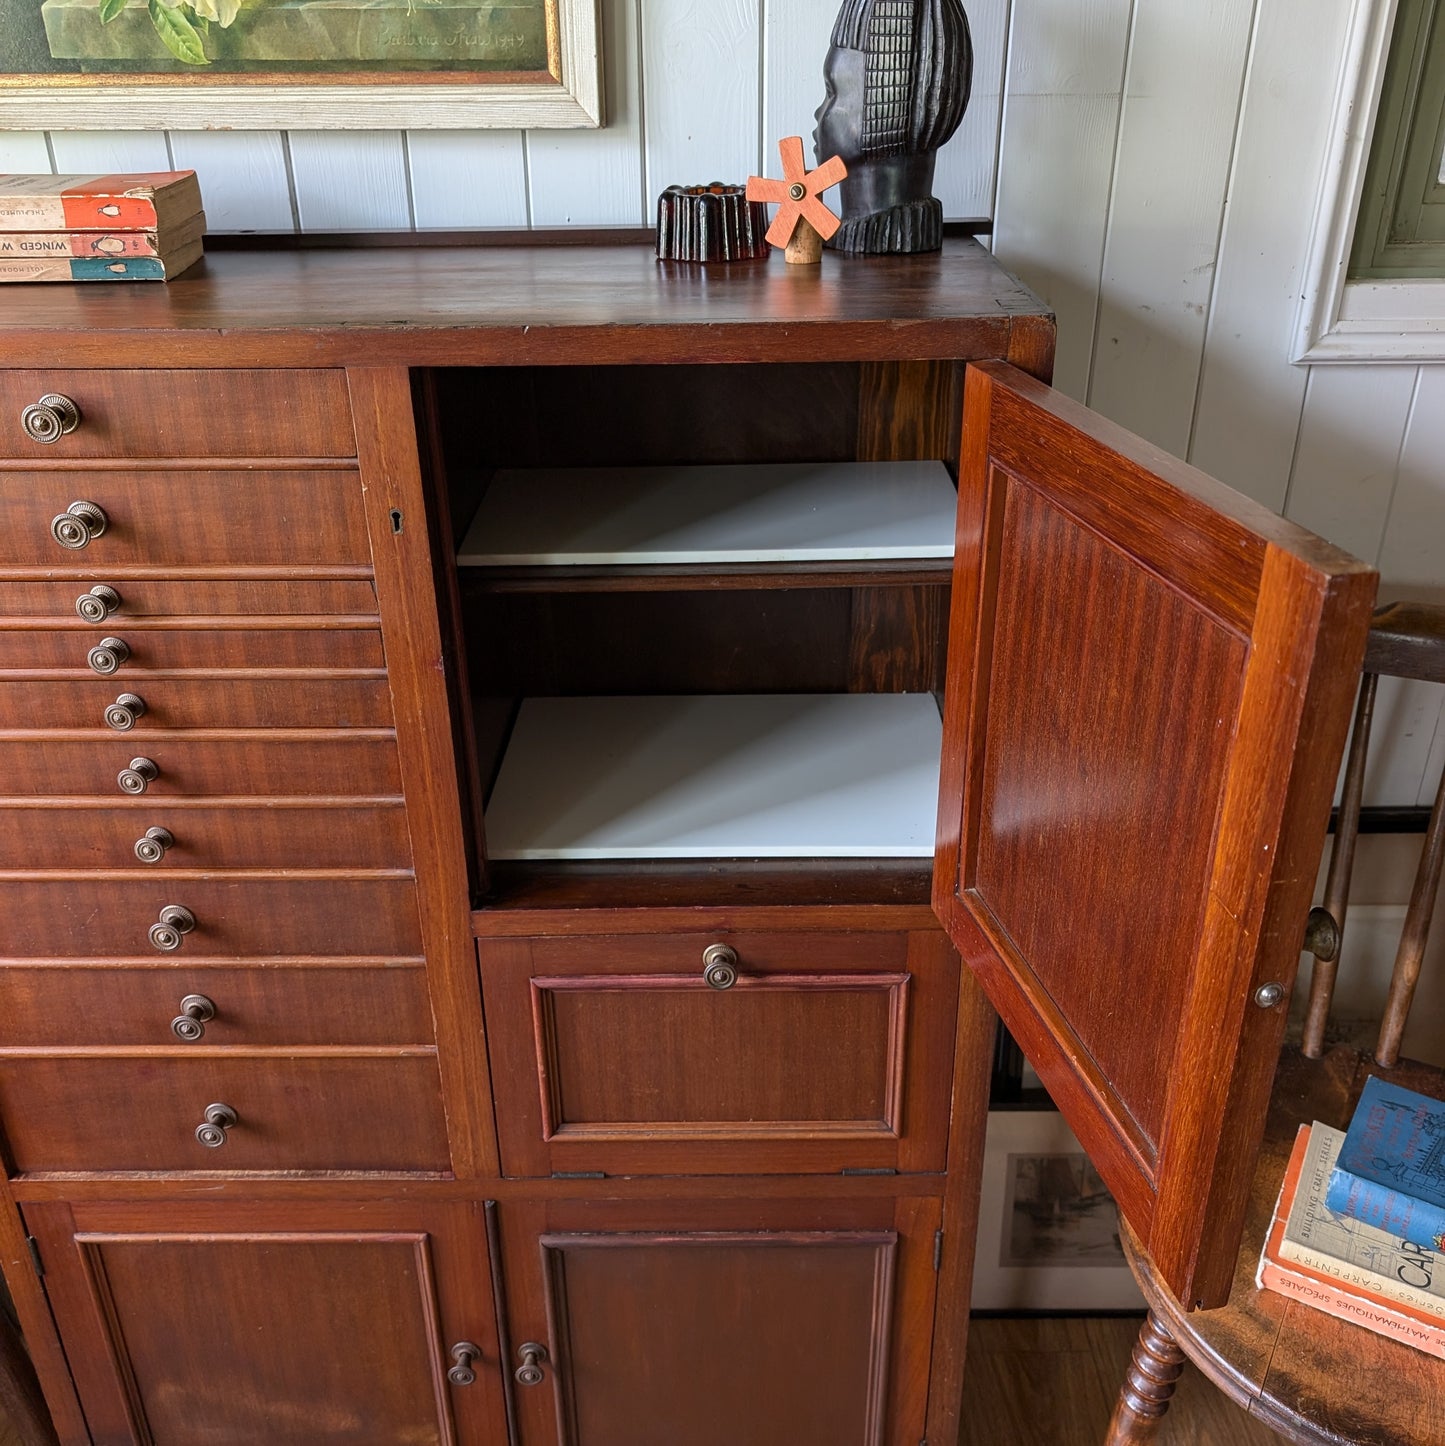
x=151 y=847
x=51 y=418
x=174 y=924
x=530 y=1372
x=98 y=604
x=190 y=1024
x=211 y=1132
x=79 y=525
x=463 y=1354
x=123 y=714
x=138 y=777
x=108 y=654
x=720 y=966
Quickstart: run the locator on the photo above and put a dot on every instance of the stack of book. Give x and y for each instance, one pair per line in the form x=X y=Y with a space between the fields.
x=1359 y=1230
x=145 y=227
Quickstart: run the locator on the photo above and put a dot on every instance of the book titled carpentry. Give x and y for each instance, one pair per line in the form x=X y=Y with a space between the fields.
x=1349 y=1294
x=123 y=227
x=1391 y=1169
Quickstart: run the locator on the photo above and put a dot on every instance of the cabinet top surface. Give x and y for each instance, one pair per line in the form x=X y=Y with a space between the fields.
x=553 y=304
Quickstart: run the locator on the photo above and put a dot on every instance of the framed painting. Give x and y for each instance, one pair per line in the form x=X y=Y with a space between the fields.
x=298 y=64
x=1048 y=1232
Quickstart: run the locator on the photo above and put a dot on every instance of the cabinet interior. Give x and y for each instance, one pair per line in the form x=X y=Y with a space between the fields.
x=787 y=630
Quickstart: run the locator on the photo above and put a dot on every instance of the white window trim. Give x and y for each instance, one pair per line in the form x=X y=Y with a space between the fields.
x=1354 y=321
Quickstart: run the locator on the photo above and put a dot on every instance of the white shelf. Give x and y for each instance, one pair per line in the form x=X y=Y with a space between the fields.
x=719 y=776
x=777 y=512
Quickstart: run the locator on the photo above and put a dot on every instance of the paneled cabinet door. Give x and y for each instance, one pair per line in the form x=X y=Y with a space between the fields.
x=1149 y=683
x=292 y=1325
x=775 y=1323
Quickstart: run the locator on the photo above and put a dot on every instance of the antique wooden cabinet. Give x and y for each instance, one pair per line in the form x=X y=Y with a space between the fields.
x=472 y=964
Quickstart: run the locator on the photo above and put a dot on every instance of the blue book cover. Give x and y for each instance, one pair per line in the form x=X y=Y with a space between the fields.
x=1391 y=1170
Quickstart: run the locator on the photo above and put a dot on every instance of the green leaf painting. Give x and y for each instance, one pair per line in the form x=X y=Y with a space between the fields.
x=178 y=32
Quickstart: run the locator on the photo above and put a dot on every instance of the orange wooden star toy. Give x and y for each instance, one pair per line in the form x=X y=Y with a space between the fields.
x=803 y=222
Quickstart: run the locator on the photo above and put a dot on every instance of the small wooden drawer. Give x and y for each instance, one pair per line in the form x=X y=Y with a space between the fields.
x=215 y=413
x=176 y=519
x=277 y=834
x=147 y=649
x=316 y=600
x=332 y=1111
x=322 y=764
x=805 y=1052
x=194 y=700
x=69 y=1005
x=107 y=918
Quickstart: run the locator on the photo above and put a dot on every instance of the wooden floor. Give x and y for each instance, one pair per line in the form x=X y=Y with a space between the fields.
x=1051 y=1382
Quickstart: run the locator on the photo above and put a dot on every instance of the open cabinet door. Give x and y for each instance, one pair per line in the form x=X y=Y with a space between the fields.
x=1149 y=687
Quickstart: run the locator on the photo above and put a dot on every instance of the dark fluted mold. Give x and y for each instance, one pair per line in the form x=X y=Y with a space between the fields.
x=715 y=222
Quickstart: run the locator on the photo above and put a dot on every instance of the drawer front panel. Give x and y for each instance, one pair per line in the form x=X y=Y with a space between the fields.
x=109 y=1112
x=173 y=701
x=164 y=597
x=184 y=518
x=235 y=413
x=81 y=918
x=616 y=1054
x=193 y=767
x=262 y=836
x=149 y=649
x=254 y=1005
x=207 y=766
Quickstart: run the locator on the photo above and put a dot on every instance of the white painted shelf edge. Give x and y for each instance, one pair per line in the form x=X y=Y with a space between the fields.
x=771 y=512
x=719 y=776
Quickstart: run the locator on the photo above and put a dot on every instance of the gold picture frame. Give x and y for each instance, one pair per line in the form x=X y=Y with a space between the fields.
x=299 y=64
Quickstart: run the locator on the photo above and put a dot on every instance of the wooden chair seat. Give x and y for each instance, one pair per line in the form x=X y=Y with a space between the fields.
x=1306 y=1375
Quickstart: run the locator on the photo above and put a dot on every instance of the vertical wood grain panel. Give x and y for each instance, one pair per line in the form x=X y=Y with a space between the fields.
x=700 y=78
x=1348 y=452
x=244 y=183
x=594 y=178
x=467 y=180
x=350 y=180
x=1176 y=138
x=1247 y=413
x=1061 y=113
x=795 y=41
x=24 y=151
x=967 y=164
x=100 y=152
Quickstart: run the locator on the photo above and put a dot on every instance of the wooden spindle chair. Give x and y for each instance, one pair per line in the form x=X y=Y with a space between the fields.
x=1306 y=1375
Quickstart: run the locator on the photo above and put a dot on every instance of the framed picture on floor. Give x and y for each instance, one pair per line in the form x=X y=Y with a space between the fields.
x=1048 y=1232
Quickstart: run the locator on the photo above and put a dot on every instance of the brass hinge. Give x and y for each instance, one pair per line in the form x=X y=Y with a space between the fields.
x=35 y=1259
x=578 y=1175
x=938 y=1250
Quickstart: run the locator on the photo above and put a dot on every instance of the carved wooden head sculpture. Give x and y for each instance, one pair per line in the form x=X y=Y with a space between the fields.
x=898 y=75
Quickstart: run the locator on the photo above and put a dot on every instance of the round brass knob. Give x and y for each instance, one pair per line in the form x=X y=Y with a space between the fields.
x=151 y=848
x=720 y=966
x=123 y=714
x=463 y=1354
x=98 y=604
x=174 y=924
x=50 y=419
x=138 y=777
x=190 y=1024
x=530 y=1373
x=219 y=1119
x=79 y=525
x=107 y=655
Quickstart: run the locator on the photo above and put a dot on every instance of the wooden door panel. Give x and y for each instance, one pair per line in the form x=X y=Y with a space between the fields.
x=830 y=1051
x=336 y=1330
x=778 y=1324
x=1149 y=685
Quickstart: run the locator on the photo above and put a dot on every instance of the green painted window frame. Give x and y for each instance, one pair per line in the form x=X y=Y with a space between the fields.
x=1401 y=228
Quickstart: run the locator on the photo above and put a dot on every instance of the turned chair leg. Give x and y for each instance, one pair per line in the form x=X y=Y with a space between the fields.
x=1148 y=1388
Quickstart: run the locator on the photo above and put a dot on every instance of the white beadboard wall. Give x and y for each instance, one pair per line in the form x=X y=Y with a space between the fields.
x=1150 y=167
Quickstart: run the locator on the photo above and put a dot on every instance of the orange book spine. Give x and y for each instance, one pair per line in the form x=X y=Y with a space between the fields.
x=79 y=243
